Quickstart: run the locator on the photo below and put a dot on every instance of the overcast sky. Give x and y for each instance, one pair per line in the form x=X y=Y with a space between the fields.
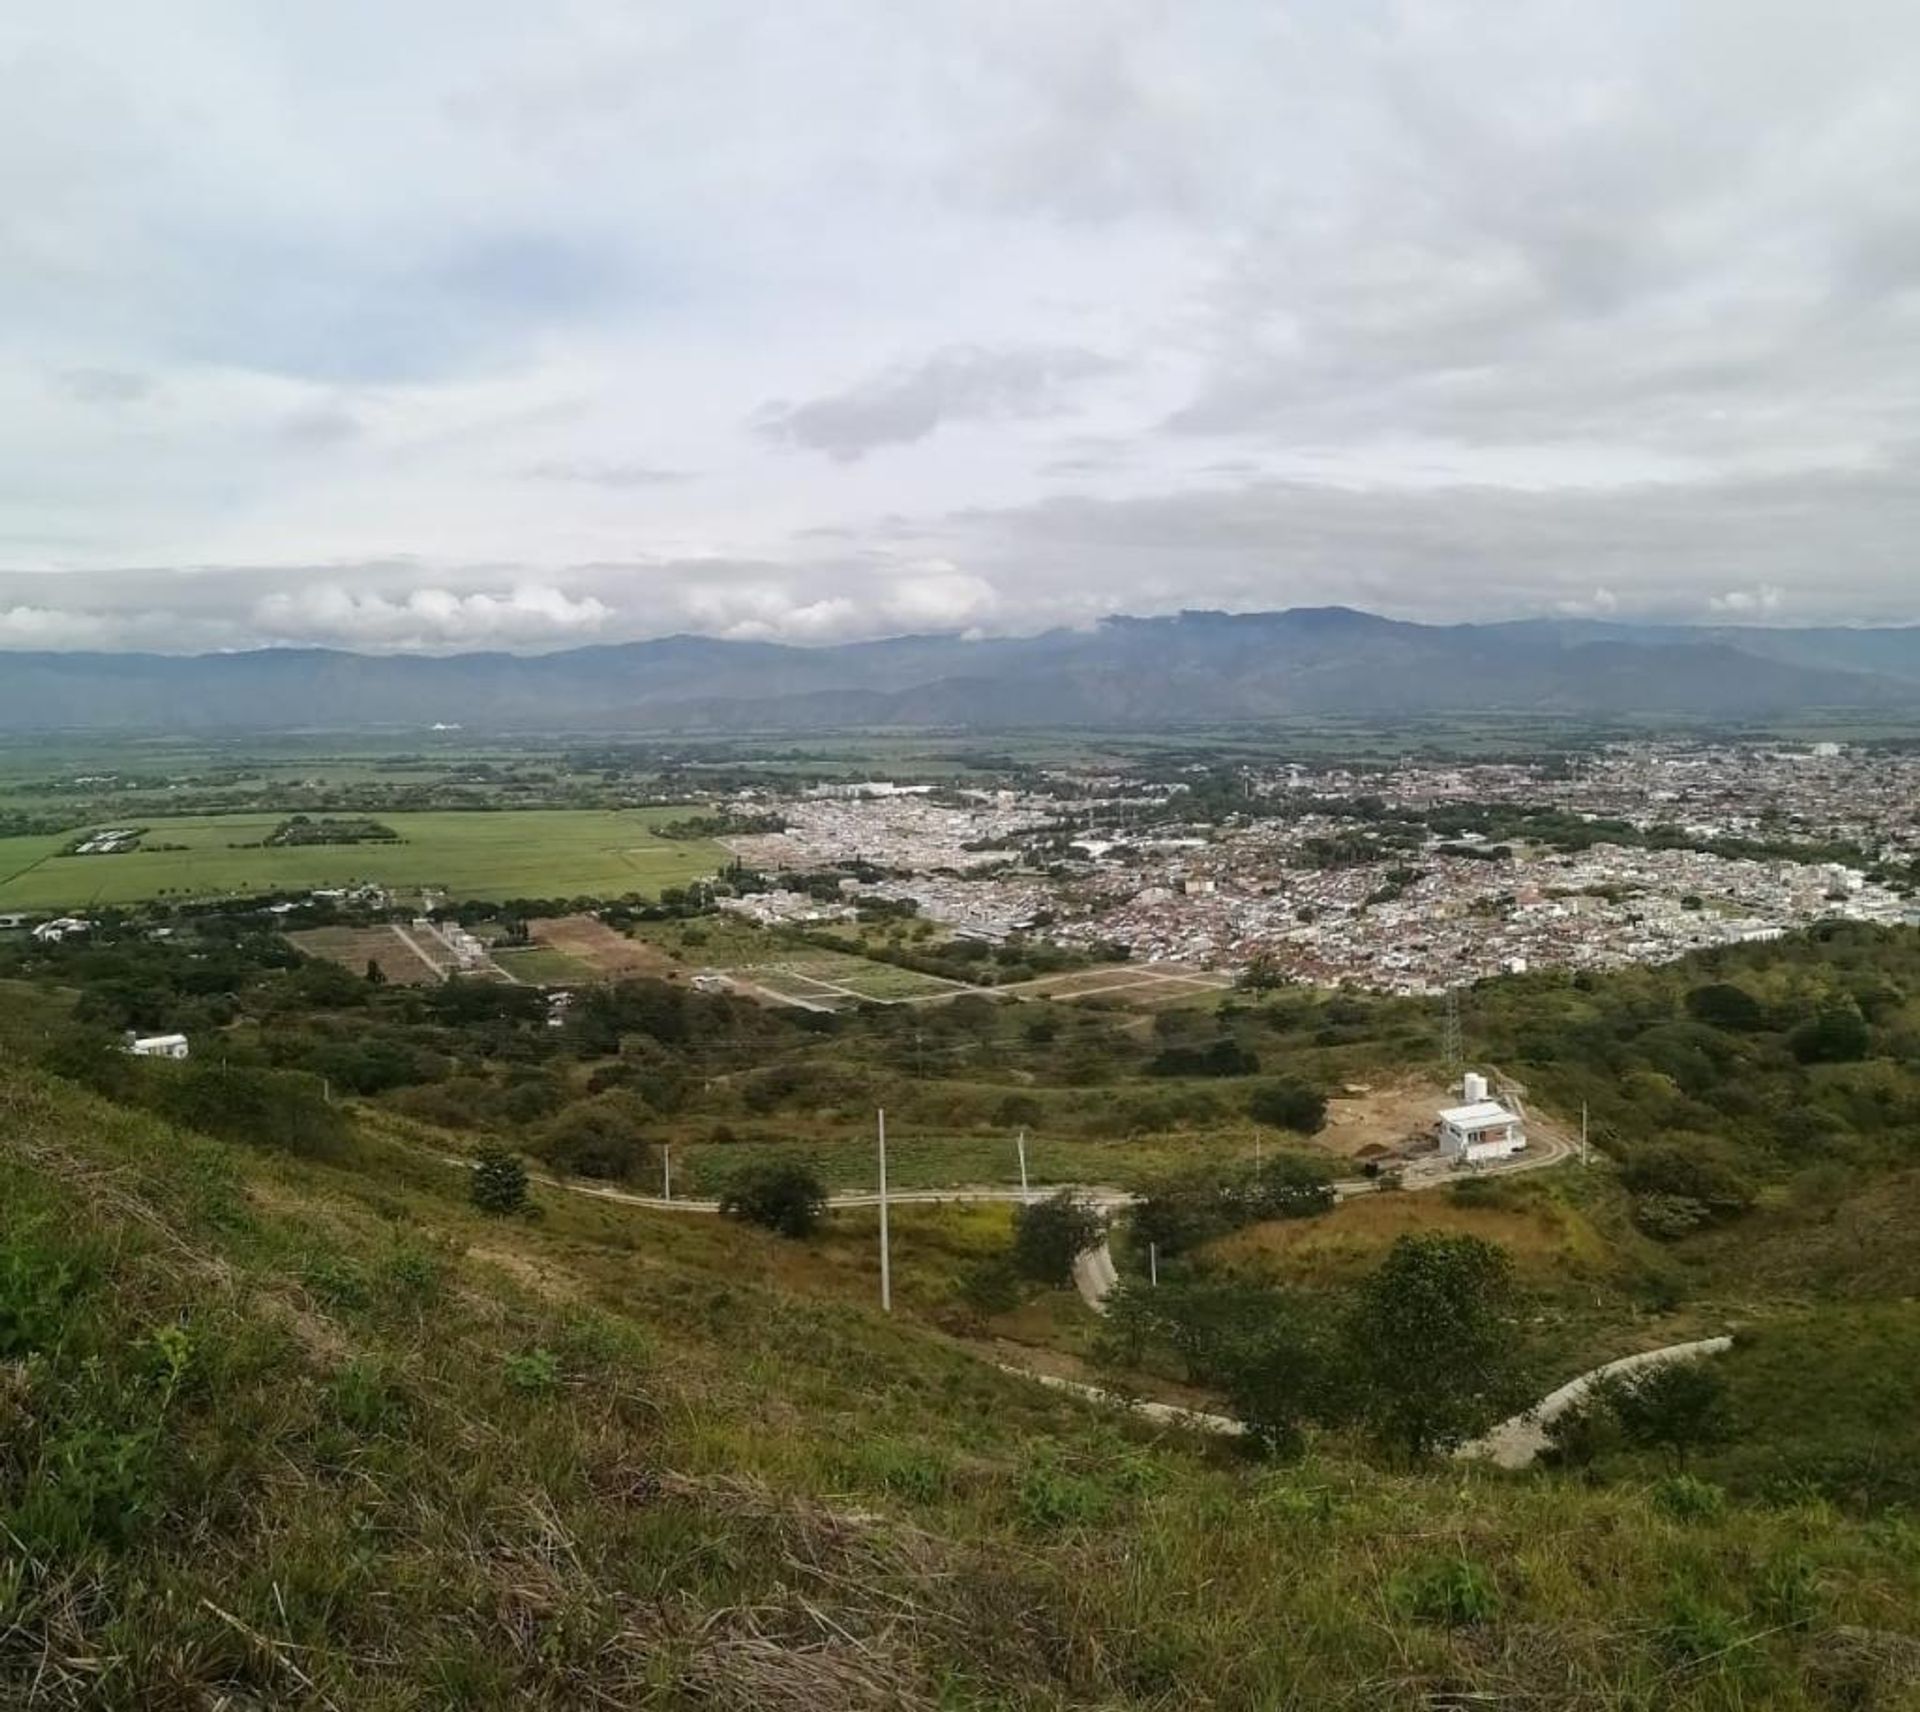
x=469 y=324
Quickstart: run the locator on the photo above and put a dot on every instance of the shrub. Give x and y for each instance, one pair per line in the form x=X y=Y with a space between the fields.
x=499 y=1183
x=1455 y=1592
x=1677 y=1407
x=1670 y=1217
x=1691 y=1171
x=604 y=1137
x=1686 y=1499
x=1837 y=1035
x=1050 y=1235
x=786 y=1199
x=990 y=1287
x=1287 y=1104
x=1222 y=1057
x=1723 y=1005
x=533 y=1372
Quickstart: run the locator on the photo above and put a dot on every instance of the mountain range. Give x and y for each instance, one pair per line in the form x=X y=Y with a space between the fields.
x=1189 y=669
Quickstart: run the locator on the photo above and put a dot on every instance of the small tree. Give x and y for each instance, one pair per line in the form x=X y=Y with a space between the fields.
x=1281 y=1382
x=787 y=1199
x=603 y=1136
x=1289 y=1105
x=499 y=1183
x=1836 y=1035
x=1678 y=1407
x=376 y=976
x=1050 y=1235
x=1434 y=1339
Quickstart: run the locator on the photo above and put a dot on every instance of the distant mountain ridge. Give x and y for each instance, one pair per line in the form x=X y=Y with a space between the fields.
x=1188 y=669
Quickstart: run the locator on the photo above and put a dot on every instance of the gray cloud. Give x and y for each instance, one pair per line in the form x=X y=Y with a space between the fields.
x=1450 y=310
x=104 y=386
x=908 y=403
x=607 y=475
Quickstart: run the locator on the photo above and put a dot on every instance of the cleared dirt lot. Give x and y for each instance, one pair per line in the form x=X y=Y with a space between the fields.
x=1384 y=1118
x=354 y=947
x=1139 y=984
x=1397 y=1116
x=589 y=940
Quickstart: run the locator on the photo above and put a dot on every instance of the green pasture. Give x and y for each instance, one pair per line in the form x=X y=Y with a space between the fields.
x=542 y=966
x=526 y=853
x=921 y=1159
x=829 y=974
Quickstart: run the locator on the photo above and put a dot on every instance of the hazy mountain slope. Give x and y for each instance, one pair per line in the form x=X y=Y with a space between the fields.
x=1192 y=668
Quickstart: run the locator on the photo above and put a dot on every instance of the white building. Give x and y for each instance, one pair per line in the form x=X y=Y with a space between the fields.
x=62 y=927
x=158 y=1045
x=1480 y=1128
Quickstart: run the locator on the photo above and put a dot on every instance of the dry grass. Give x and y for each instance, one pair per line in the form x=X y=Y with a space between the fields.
x=1543 y=1236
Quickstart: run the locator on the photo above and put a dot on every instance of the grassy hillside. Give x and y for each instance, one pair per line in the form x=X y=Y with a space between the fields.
x=289 y=1434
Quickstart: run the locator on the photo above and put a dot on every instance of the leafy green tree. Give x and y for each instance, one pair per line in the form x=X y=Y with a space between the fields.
x=1722 y=1005
x=1050 y=1235
x=787 y=1199
x=1836 y=1035
x=1434 y=1341
x=605 y=1136
x=1285 y=1378
x=499 y=1183
x=1288 y=1186
x=1288 y=1104
x=1677 y=1407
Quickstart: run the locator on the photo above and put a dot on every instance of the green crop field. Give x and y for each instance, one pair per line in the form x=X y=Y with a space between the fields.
x=530 y=853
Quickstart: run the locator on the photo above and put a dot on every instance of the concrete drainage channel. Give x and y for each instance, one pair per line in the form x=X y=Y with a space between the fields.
x=1514 y=1443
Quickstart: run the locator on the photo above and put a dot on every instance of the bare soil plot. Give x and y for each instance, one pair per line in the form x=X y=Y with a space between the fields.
x=355 y=947
x=589 y=941
x=1386 y=1118
x=1142 y=984
x=1396 y=1117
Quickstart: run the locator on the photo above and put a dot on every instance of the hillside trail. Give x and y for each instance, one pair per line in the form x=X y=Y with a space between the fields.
x=1095 y=1274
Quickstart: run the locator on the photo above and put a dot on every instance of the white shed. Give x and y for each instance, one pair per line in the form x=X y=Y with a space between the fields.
x=158 y=1046
x=1483 y=1130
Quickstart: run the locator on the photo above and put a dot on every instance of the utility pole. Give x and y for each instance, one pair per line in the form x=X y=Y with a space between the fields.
x=1023 y=1166
x=886 y=1257
x=1583 y=1132
x=666 y=1172
x=1153 y=1264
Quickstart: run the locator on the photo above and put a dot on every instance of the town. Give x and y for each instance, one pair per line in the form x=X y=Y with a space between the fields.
x=1636 y=854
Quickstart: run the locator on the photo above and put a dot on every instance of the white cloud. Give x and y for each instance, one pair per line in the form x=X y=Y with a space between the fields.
x=1749 y=602
x=428 y=617
x=1454 y=311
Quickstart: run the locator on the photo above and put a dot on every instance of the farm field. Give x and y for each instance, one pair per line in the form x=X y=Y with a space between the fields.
x=604 y=952
x=355 y=947
x=932 y=1161
x=542 y=966
x=829 y=977
x=530 y=853
x=1146 y=985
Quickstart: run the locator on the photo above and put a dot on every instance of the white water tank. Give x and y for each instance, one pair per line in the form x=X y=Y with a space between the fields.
x=1473 y=1088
